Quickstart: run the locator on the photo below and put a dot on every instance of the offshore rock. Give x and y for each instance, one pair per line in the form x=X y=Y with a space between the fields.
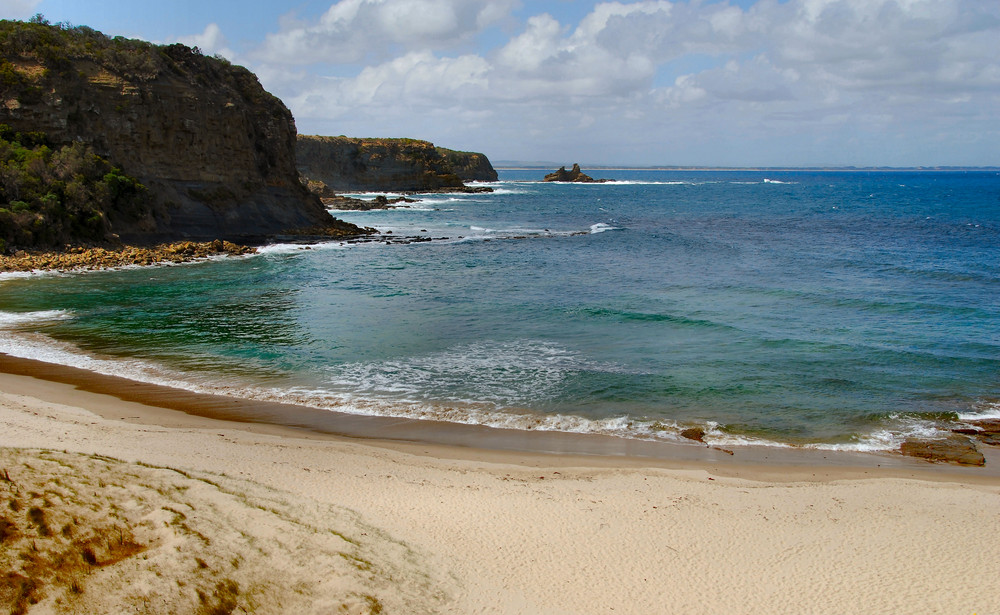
x=348 y=164
x=573 y=175
x=954 y=449
x=332 y=200
x=214 y=149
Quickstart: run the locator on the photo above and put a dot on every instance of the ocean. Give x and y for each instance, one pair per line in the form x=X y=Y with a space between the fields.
x=829 y=309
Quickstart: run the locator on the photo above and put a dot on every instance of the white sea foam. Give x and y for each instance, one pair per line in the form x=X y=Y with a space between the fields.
x=424 y=203
x=13 y=319
x=601 y=227
x=506 y=376
x=499 y=191
x=291 y=248
x=982 y=410
x=18 y=275
x=636 y=182
x=889 y=437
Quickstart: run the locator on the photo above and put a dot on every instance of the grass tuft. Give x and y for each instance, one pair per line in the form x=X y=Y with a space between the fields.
x=223 y=600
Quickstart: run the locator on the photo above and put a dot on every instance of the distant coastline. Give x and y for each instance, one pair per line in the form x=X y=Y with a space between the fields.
x=514 y=166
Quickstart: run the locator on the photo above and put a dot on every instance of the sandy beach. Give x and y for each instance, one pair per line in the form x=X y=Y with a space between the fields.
x=213 y=514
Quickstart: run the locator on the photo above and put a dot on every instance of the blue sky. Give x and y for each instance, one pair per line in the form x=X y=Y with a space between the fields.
x=719 y=83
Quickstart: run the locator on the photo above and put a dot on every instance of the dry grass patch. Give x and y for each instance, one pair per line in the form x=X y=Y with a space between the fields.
x=41 y=562
x=89 y=534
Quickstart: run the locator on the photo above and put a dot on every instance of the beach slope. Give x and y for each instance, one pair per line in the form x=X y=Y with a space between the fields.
x=267 y=519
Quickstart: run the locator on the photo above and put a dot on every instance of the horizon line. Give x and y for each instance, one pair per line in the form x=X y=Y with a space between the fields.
x=509 y=165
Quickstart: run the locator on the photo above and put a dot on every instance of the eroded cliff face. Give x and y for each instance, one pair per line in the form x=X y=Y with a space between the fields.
x=470 y=166
x=215 y=150
x=348 y=164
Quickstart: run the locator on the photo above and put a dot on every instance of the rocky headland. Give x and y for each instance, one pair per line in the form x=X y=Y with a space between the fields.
x=346 y=164
x=573 y=175
x=470 y=166
x=194 y=146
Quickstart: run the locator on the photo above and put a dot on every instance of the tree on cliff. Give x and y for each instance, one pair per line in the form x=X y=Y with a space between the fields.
x=51 y=196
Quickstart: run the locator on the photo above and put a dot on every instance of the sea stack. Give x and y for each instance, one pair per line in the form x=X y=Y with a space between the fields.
x=574 y=175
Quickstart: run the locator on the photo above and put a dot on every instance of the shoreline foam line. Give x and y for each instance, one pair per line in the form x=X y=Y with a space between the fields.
x=395 y=431
x=884 y=439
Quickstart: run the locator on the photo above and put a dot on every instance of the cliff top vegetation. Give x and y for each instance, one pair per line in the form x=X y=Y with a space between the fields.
x=36 y=51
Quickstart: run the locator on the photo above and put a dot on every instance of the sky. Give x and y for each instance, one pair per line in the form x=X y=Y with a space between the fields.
x=689 y=82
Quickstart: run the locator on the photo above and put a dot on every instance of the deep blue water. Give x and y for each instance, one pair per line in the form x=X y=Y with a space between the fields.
x=841 y=308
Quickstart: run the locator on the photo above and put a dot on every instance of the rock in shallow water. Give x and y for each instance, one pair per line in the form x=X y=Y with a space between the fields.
x=954 y=449
x=694 y=433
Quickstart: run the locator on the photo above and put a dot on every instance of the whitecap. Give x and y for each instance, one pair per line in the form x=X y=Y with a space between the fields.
x=601 y=227
x=636 y=182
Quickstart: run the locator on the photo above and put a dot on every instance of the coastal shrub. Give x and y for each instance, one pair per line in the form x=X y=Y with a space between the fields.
x=51 y=196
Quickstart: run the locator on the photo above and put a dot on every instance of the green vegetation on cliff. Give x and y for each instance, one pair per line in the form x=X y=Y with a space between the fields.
x=52 y=196
x=59 y=48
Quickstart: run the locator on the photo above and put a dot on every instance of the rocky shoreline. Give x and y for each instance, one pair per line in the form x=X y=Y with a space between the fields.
x=80 y=258
x=961 y=447
x=334 y=200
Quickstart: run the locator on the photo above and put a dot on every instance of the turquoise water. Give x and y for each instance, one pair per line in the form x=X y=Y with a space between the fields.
x=839 y=309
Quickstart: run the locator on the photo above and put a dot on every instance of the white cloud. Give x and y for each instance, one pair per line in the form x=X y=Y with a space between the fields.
x=211 y=41
x=18 y=9
x=818 y=73
x=412 y=81
x=352 y=30
x=874 y=44
x=539 y=43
